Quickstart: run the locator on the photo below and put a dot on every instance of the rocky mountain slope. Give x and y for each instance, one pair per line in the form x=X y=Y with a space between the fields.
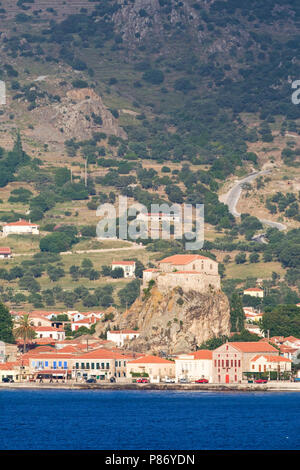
x=175 y=322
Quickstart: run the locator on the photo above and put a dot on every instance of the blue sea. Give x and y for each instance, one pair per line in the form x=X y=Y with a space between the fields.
x=154 y=420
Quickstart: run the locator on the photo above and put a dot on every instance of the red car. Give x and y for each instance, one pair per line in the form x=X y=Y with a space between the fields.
x=201 y=381
x=261 y=381
x=142 y=381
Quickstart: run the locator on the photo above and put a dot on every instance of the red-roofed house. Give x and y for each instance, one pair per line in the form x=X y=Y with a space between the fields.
x=154 y=366
x=101 y=364
x=120 y=336
x=266 y=363
x=191 y=263
x=292 y=353
x=190 y=272
x=127 y=266
x=194 y=366
x=292 y=342
x=87 y=322
x=20 y=228
x=5 y=252
x=50 y=332
x=232 y=359
x=75 y=316
x=254 y=292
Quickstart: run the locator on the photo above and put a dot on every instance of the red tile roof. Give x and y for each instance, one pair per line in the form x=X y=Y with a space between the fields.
x=8 y=365
x=5 y=250
x=21 y=223
x=124 y=332
x=253 y=346
x=44 y=341
x=85 y=320
x=102 y=353
x=47 y=328
x=253 y=289
x=202 y=354
x=151 y=360
x=292 y=339
x=43 y=349
x=271 y=358
x=124 y=262
x=186 y=272
x=182 y=259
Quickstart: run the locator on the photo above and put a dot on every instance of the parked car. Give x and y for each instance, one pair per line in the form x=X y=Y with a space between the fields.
x=142 y=381
x=7 y=380
x=261 y=381
x=167 y=380
x=297 y=379
x=183 y=380
x=91 y=381
x=201 y=381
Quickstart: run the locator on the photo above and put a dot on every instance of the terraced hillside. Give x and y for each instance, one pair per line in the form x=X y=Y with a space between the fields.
x=159 y=100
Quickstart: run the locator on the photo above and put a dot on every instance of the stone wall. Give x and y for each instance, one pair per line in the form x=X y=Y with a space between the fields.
x=188 y=281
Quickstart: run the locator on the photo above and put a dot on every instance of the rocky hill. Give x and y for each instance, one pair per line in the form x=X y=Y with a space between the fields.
x=176 y=322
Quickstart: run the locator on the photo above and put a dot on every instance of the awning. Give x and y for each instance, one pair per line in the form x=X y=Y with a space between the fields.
x=56 y=372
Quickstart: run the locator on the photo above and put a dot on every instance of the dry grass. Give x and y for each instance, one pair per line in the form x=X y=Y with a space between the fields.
x=258 y=270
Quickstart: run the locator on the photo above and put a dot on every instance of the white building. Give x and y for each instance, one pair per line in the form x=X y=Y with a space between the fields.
x=86 y=322
x=194 y=366
x=158 y=217
x=252 y=314
x=255 y=329
x=5 y=252
x=22 y=227
x=76 y=316
x=120 y=336
x=57 y=334
x=264 y=363
x=127 y=266
x=254 y=292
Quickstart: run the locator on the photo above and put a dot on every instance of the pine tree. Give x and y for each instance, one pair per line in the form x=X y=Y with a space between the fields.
x=6 y=325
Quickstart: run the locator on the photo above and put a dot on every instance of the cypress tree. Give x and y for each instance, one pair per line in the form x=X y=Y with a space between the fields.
x=237 y=315
x=6 y=325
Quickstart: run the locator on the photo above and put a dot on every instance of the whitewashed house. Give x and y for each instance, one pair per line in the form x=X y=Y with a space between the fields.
x=254 y=292
x=265 y=363
x=127 y=266
x=57 y=334
x=120 y=336
x=5 y=253
x=22 y=227
x=194 y=366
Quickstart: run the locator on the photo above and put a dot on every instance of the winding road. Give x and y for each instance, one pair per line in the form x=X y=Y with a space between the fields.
x=233 y=195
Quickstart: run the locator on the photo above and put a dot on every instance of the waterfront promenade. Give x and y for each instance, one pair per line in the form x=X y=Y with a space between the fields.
x=247 y=387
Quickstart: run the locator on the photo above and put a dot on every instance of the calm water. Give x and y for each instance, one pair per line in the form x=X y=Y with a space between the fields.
x=124 y=420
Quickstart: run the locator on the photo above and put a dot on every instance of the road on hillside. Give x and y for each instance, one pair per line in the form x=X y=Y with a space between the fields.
x=233 y=195
x=134 y=246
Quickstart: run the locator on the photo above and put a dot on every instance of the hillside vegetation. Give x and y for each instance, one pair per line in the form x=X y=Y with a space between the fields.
x=161 y=101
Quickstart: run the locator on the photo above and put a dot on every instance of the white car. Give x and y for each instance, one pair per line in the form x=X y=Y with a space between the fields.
x=169 y=381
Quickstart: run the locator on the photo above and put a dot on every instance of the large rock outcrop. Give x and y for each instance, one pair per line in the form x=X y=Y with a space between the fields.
x=177 y=321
